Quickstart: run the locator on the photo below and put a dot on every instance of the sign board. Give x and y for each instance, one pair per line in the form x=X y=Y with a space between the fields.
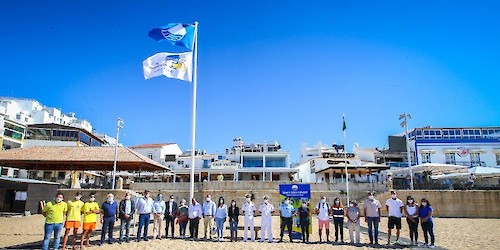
x=297 y=193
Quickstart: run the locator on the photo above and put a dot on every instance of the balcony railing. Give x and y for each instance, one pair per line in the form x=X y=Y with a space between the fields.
x=468 y=163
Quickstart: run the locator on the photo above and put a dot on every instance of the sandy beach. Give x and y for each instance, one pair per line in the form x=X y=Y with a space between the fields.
x=27 y=233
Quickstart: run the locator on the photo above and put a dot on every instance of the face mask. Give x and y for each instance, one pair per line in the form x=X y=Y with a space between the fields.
x=352 y=205
x=248 y=199
x=159 y=198
x=127 y=197
x=287 y=202
x=171 y=200
x=233 y=204
x=59 y=199
x=147 y=195
x=393 y=196
x=323 y=200
x=337 y=202
x=424 y=203
x=304 y=205
x=110 y=200
x=221 y=201
x=92 y=199
x=183 y=203
x=371 y=197
x=410 y=201
x=78 y=198
x=266 y=201
x=208 y=198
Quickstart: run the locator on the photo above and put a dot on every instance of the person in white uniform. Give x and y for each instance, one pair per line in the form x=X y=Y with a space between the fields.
x=248 y=213
x=266 y=210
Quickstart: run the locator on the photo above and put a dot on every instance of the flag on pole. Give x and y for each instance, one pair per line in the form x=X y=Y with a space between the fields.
x=176 y=33
x=172 y=65
x=344 y=127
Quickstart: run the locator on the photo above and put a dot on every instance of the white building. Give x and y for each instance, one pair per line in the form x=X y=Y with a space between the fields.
x=256 y=161
x=477 y=146
x=324 y=164
x=164 y=153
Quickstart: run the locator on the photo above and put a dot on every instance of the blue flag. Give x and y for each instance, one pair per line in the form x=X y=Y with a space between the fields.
x=176 y=33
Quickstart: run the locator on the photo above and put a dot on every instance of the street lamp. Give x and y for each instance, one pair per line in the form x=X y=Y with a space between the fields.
x=404 y=124
x=119 y=125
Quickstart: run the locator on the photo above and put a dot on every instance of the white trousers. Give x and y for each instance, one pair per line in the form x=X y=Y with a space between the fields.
x=266 y=227
x=248 y=226
x=353 y=227
x=157 y=221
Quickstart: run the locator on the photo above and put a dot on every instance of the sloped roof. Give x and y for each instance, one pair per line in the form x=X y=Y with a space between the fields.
x=77 y=158
x=152 y=145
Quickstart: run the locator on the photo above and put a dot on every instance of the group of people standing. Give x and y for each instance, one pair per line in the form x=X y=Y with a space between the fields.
x=214 y=216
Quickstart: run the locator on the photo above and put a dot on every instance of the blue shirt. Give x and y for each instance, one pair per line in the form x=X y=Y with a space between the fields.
x=144 y=205
x=209 y=208
x=424 y=211
x=109 y=209
x=286 y=210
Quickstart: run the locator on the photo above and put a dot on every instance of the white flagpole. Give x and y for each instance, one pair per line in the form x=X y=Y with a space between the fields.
x=193 y=118
x=345 y=161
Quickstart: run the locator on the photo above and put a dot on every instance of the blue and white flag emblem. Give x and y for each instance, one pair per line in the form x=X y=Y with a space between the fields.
x=176 y=33
x=172 y=65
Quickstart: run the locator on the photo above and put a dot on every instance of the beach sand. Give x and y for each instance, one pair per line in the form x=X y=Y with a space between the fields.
x=451 y=233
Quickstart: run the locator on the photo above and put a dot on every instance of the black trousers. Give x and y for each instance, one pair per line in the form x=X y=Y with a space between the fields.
x=413 y=226
x=428 y=228
x=286 y=222
x=304 y=227
x=193 y=227
x=169 y=222
x=339 y=227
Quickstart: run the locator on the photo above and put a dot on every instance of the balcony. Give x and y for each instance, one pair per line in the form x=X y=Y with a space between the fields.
x=468 y=163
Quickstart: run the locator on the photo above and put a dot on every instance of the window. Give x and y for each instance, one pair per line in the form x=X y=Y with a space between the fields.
x=475 y=159
x=275 y=162
x=221 y=157
x=498 y=159
x=150 y=156
x=206 y=163
x=252 y=162
x=61 y=175
x=169 y=157
x=426 y=157
x=450 y=158
x=180 y=162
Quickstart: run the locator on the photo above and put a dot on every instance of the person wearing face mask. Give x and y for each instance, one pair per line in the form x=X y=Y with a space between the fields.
x=90 y=210
x=266 y=210
x=170 y=214
x=144 y=208
x=371 y=208
x=54 y=217
x=425 y=212
x=286 y=215
x=182 y=215
x=159 y=212
x=73 y=219
x=394 y=207
x=338 y=219
x=411 y=212
x=322 y=210
x=209 y=208
x=353 y=216
x=248 y=209
x=127 y=210
x=233 y=214
x=304 y=221
x=195 y=214
x=109 y=214
x=220 y=218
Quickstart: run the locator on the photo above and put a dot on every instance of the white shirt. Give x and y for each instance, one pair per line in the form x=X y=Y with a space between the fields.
x=324 y=213
x=195 y=211
x=394 y=207
x=266 y=210
x=412 y=211
x=170 y=205
x=248 y=209
x=128 y=206
x=144 y=206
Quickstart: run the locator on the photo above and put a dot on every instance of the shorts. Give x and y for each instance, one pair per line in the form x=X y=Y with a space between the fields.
x=72 y=224
x=324 y=223
x=87 y=226
x=394 y=221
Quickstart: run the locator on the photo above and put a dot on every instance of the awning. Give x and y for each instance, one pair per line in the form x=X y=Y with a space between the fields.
x=434 y=168
x=354 y=169
x=428 y=151
x=77 y=159
x=480 y=172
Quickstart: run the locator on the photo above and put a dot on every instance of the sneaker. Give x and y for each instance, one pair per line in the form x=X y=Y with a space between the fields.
x=425 y=245
x=431 y=246
x=397 y=242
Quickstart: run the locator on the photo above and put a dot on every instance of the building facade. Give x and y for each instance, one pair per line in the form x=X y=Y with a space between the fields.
x=472 y=147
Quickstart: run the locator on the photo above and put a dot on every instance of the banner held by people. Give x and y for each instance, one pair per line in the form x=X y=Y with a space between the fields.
x=171 y=65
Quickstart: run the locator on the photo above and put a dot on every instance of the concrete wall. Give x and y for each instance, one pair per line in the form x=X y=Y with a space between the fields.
x=454 y=203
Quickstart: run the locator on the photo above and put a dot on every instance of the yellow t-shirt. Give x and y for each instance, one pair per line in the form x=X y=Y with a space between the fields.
x=54 y=212
x=74 y=211
x=87 y=207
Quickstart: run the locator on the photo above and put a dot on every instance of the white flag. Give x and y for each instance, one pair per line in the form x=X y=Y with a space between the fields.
x=171 y=65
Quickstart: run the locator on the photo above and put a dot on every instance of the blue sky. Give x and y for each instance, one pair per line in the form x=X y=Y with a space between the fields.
x=268 y=70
